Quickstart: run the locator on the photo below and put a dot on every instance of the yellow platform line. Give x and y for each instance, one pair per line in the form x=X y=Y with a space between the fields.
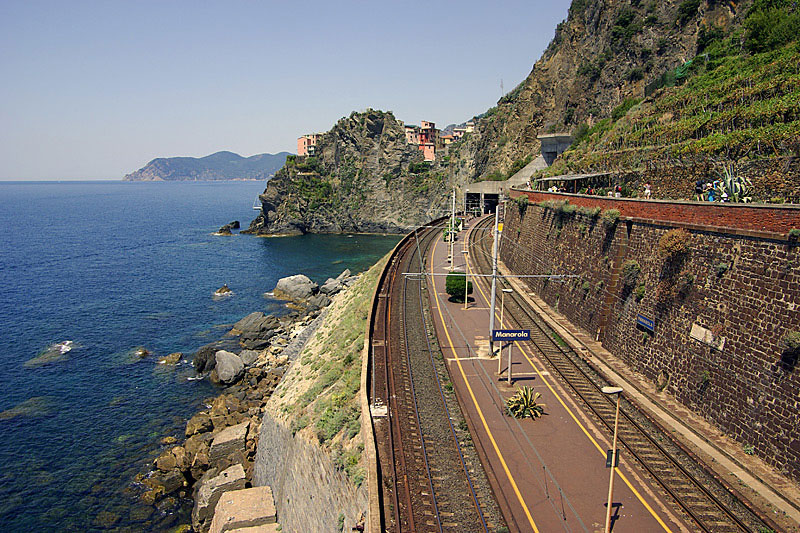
x=525 y=350
x=480 y=413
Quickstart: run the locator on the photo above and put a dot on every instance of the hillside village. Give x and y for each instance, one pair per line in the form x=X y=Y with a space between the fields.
x=426 y=137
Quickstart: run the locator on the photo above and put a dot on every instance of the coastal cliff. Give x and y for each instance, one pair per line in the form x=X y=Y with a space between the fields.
x=364 y=177
x=217 y=166
x=602 y=54
x=665 y=93
x=646 y=89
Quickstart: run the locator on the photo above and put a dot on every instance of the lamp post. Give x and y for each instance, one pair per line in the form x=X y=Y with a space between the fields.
x=612 y=391
x=466 y=277
x=502 y=308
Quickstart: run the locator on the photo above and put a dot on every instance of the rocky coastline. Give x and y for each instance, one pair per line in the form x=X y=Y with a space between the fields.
x=217 y=450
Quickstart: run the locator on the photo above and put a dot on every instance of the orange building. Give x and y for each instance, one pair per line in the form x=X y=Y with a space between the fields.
x=306 y=145
x=428 y=151
x=428 y=132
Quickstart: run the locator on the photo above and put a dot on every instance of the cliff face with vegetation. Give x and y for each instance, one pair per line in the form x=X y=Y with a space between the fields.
x=606 y=54
x=364 y=177
x=217 y=166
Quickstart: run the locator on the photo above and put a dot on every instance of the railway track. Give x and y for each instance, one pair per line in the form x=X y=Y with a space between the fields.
x=430 y=478
x=710 y=505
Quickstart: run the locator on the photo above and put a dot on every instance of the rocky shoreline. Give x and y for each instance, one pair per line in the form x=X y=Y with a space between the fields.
x=219 y=444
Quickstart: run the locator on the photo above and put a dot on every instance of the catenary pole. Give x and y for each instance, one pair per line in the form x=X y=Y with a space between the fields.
x=451 y=234
x=494 y=279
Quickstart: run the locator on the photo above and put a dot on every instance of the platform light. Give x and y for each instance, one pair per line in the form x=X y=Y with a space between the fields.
x=610 y=391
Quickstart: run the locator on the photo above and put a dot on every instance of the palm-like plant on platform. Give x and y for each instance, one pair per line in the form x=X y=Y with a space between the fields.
x=524 y=404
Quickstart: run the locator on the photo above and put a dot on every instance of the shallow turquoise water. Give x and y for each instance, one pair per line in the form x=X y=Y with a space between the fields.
x=111 y=266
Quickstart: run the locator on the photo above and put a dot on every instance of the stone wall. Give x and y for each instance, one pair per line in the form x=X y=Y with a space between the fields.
x=744 y=217
x=310 y=493
x=720 y=311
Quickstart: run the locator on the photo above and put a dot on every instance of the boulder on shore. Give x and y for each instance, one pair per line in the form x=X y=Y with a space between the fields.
x=244 y=510
x=331 y=287
x=255 y=330
x=249 y=356
x=295 y=288
x=199 y=423
x=256 y=325
x=229 y=440
x=203 y=359
x=318 y=301
x=229 y=367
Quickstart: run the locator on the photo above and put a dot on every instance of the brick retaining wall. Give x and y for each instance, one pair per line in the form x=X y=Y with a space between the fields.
x=739 y=284
x=778 y=219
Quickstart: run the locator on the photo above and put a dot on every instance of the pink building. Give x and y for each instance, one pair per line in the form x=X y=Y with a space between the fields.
x=306 y=145
x=412 y=135
x=426 y=137
x=428 y=151
x=428 y=132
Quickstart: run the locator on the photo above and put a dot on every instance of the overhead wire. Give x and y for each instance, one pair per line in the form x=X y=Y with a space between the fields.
x=669 y=323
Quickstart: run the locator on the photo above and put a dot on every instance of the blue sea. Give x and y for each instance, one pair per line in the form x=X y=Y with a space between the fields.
x=95 y=270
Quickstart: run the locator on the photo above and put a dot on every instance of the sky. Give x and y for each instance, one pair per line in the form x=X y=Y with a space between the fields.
x=95 y=90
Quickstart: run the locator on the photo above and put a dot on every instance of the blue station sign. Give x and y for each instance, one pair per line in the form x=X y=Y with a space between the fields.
x=646 y=322
x=511 y=334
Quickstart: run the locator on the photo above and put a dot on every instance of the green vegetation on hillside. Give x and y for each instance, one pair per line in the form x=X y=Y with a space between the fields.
x=743 y=106
x=733 y=108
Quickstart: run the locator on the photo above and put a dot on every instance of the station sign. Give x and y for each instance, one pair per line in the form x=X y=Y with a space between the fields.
x=646 y=322
x=511 y=334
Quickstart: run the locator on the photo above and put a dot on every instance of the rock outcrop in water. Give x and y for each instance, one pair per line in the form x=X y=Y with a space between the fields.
x=364 y=177
x=218 y=166
x=228 y=228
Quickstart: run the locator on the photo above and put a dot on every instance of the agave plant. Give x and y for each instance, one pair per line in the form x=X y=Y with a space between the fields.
x=523 y=404
x=736 y=187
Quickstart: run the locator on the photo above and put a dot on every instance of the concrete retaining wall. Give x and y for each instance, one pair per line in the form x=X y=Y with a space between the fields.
x=310 y=492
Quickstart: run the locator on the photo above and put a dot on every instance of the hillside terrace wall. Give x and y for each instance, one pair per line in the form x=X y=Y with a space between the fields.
x=750 y=388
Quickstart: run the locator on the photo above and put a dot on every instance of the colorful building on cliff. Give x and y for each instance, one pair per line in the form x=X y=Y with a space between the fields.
x=426 y=137
x=307 y=144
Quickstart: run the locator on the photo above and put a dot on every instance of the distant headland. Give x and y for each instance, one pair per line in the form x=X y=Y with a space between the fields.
x=218 y=166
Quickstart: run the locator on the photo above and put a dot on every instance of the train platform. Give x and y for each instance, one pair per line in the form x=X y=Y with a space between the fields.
x=550 y=474
x=745 y=474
